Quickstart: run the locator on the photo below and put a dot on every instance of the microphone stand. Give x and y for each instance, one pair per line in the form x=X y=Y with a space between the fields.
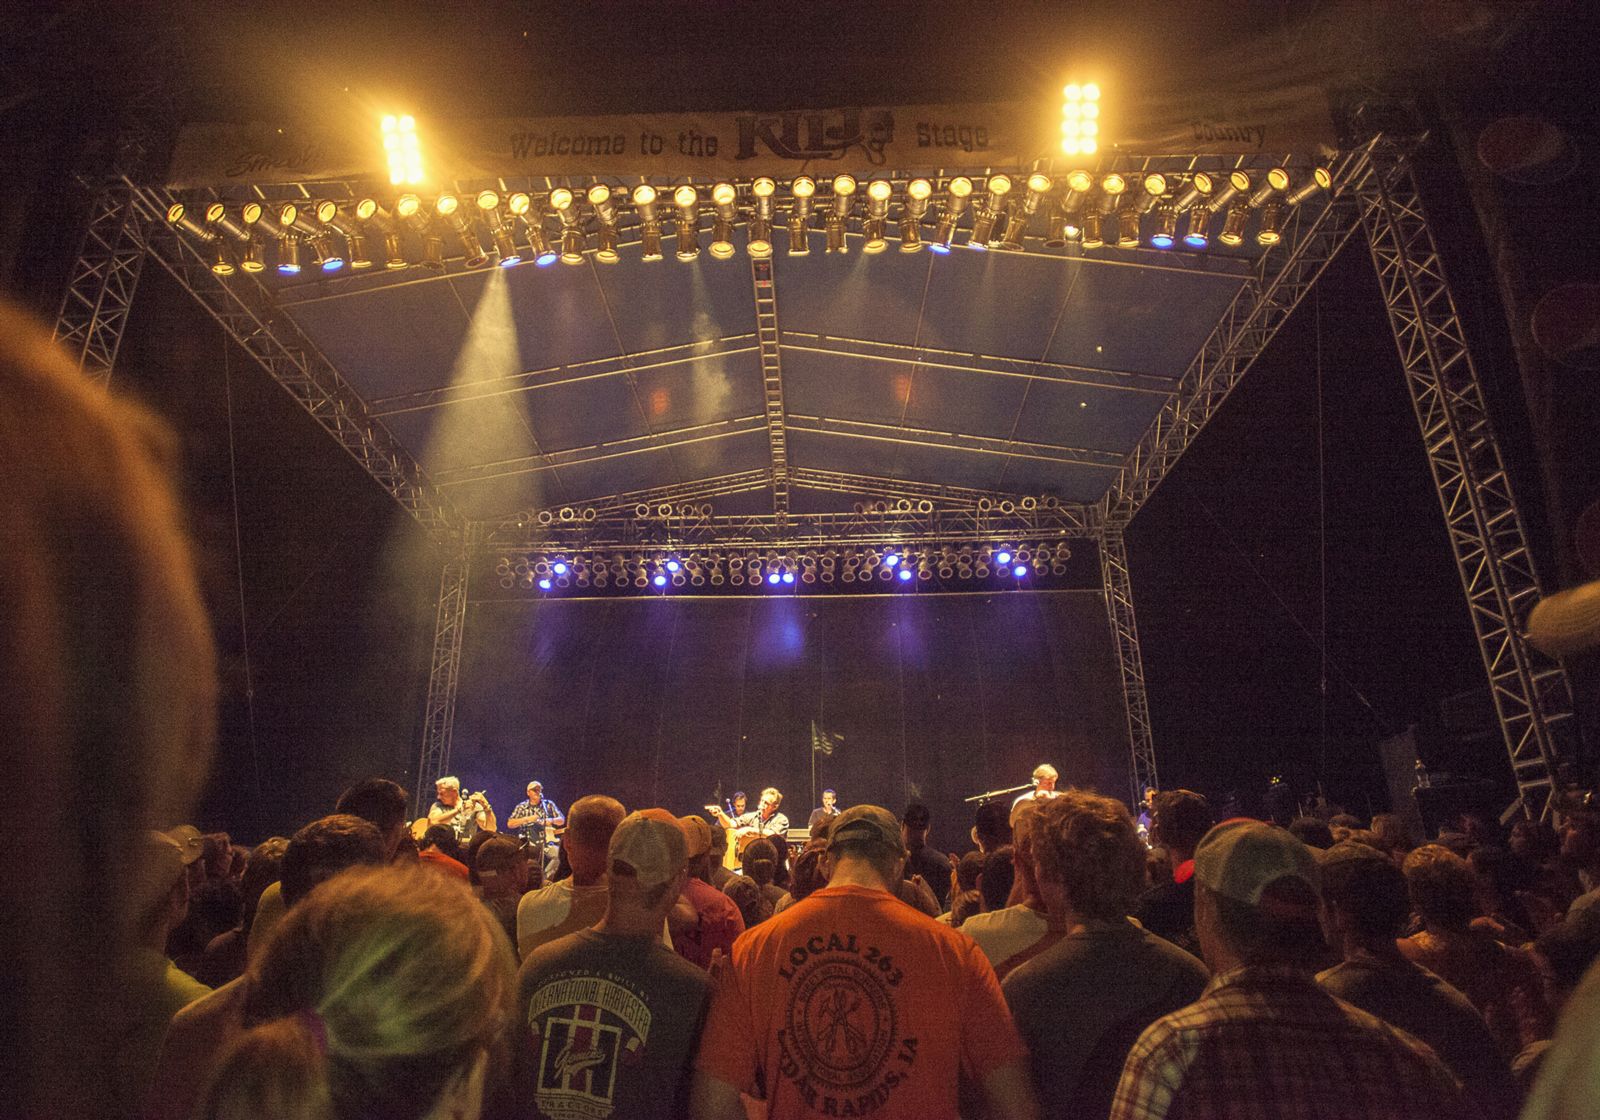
x=992 y=794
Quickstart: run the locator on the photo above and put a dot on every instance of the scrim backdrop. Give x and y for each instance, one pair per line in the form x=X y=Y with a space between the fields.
x=658 y=700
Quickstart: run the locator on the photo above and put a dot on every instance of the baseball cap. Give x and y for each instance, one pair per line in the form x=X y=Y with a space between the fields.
x=1240 y=858
x=651 y=843
x=696 y=834
x=866 y=824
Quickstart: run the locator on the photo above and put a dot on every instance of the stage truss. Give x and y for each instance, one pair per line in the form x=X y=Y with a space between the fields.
x=1375 y=191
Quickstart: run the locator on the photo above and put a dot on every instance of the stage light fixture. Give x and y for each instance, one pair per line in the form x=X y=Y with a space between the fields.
x=1080 y=113
x=725 y=202
x=659 y=579
x=1067 y=220
x=1233 y=225
x=1199 y=223
x=545 y=584
x=644 y=203
x=918 y=191
x=1201 y=184
x=1128 y=228
x=402 y=148
x=605 y=212
x=218 y=219
x=957 y=193
x=1270 y=229
x=1321 y=180
x=874 y=227
x=565 y=204
x=759 y=244
x=906 y=574
x=801 y=191
x=348 y=221
x=890 y=559
x=221 y=263
x=844 y=193
x=1276 y=180
x=289 y=255
x=774 y=578
x=1022 y=211
x=449 y=208
x=1003 y=557
x=253 y=259
x=1219 y=200
x=987 y=212
x=1166 y=228
x=1019 y=571
x=687 y=200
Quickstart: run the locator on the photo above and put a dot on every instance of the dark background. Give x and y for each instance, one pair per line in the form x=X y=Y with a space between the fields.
x=1296 y=595
x=660 y=700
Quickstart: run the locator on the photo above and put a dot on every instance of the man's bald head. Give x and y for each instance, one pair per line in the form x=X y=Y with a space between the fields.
x=590 y=823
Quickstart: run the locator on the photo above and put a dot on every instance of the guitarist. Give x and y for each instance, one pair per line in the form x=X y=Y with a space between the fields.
x=540 y=823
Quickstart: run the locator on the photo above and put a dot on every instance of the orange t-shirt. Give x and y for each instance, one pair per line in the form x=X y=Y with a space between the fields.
x=851 y=1003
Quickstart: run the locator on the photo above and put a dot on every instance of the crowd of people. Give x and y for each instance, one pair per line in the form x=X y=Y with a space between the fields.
x=1066 y=966
x=1070 y=964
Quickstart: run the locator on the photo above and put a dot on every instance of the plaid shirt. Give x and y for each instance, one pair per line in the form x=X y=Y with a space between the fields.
x=1269 y=1044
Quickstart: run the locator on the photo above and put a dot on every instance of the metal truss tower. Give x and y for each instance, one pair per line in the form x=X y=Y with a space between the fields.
x=1532 y=696
x=100 y=288
x=444 y=675
x=1125 y=634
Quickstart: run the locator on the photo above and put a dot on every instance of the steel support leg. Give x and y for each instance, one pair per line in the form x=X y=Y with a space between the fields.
x=1532 y=696
x=94 y=310
x=1125 y=633
x=443 y=677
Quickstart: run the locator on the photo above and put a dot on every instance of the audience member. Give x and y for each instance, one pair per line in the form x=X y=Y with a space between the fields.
x=1565 y=953
x=1082 y=1002
x=710 y=920
x=578 y=901
x=807 y=877
x=992 y=827
x=1012 y=929
x=384 y=804
x=1394 y=836
x=1568 y=1082
x=441 y=851
x=1264 y=1036
x=761 y=864
x=201 y=1031
x=965 y=900
x=745 y=893
x=500 y=872
x=154 y=987
x=720 y=871
x=1501 y=981
x=227 y=954
x=1503 y=912
x=933 y=866
x=850 y=1001
x=1181 y=817
x=1314 y=832
x=1364 y=908
x=383 y=994
x=1580 y=850
x=608 y=1016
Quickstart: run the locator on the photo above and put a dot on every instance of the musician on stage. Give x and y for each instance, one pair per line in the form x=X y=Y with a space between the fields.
x=1044 y=784
x=738 y=804
x=764 y=820
x=464 y=816
x=536 y=821
x=829 y=810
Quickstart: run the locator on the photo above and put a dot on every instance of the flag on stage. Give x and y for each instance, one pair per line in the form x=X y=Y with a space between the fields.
x=823 y=742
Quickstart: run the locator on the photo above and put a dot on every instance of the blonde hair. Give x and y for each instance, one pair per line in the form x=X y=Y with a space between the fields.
x=106 y=669
x=372 y=995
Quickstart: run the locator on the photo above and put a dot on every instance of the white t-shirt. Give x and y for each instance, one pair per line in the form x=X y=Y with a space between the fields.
x=1002 y=934
x=559 y=909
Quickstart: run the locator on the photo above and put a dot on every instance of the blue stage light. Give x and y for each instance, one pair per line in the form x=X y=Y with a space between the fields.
x=660 y=580
x=1020 y=570
x=788 y=577
x=890 y=559
x=544 y=585
x=773 y=578
x=546 y=257
x=673 y=566
x=1161 y=241
x=907 y=574
x=938 y=248
x=559 y=567
x=1002 y=557
x=332 y=264
x=1195 y=240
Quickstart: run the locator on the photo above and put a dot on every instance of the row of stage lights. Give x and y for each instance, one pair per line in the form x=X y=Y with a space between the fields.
x=551 y=572
x=1088 y=210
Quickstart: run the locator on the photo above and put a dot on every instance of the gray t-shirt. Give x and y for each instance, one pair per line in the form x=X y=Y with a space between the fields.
x=1408 y=996
x=1081 y=1004
x=608 y=1027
